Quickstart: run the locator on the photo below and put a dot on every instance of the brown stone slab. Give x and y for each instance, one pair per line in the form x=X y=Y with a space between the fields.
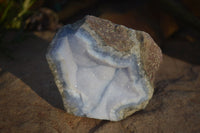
x=29 y=101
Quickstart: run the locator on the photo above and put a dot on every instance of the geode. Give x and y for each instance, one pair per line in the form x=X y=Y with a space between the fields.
x=103 y=70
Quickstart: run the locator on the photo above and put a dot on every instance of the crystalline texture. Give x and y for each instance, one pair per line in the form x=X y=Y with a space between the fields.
x=103 y=70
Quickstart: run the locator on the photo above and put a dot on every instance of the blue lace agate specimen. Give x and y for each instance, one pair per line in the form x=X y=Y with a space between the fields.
x=103 y=70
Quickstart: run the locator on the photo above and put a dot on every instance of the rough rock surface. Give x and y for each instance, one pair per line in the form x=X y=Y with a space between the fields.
x=31 y=103
x=103 y=70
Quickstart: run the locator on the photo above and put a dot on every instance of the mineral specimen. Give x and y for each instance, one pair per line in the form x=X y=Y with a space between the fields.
x=103 y=70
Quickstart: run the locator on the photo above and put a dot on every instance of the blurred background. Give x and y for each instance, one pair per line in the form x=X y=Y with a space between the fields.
x=173 y=24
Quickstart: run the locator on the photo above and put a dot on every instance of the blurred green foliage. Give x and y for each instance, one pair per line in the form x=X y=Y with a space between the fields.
x=13 y=12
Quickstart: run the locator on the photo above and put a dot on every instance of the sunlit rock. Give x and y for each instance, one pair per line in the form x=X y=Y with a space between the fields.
x=103 y=70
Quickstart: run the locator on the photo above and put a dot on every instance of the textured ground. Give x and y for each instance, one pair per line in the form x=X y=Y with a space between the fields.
x=30 y=102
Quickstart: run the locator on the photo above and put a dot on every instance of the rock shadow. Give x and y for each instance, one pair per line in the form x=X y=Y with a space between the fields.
x=30 y=65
